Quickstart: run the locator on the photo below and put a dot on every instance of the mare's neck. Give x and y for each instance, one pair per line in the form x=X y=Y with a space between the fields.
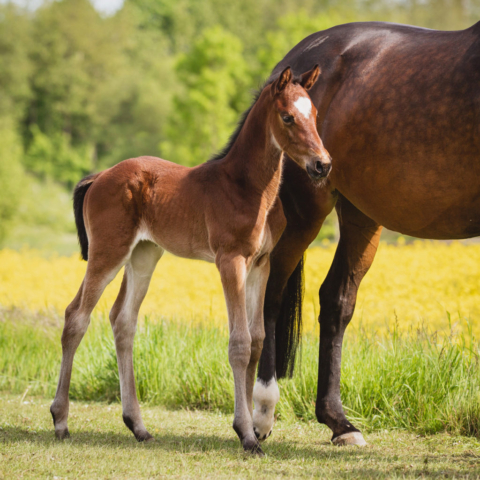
x=254 y=161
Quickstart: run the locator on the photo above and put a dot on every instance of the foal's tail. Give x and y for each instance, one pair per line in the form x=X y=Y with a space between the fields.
x=288 y=330
x=78 y=198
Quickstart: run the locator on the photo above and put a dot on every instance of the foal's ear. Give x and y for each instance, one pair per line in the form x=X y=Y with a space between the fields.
x=309 y=78
x=282 y=81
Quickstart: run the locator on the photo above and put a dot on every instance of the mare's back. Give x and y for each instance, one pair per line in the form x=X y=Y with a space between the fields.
x=399 y=111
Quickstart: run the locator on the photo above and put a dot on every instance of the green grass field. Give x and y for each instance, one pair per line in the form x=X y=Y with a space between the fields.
x=419 y=382
x=200 y=444
x=416 y=397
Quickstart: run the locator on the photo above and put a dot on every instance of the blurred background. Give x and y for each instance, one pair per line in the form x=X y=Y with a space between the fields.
x=84 y=85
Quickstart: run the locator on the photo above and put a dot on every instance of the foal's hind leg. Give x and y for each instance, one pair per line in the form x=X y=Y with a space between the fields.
x=101 y=270
x=123 y=317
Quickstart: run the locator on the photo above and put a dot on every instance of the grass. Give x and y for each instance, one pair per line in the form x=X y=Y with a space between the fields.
x=418 y=382
x=200 y=444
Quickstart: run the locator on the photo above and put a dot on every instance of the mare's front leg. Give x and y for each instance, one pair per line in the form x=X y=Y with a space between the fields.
x=359 y=237
x=305 y=207
x=233 y=272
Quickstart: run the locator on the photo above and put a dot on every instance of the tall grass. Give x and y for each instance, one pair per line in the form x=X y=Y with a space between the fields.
x=416 y=381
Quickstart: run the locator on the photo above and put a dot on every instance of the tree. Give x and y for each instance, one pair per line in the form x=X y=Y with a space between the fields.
x=11 y=175
x=183 y=21
x=15 y=65
x=54 y=157
x=291 y=29
x=215 y=80
x=100 y=90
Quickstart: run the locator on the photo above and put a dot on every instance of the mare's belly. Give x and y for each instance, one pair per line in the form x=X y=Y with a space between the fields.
x=420 y=210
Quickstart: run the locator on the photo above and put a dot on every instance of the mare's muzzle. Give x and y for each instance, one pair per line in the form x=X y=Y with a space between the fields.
x=319 y=169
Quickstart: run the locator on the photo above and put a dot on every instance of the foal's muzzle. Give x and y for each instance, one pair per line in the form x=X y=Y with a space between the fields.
x=319 y=169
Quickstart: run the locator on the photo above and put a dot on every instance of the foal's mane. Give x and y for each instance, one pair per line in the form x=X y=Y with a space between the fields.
x=243 y=118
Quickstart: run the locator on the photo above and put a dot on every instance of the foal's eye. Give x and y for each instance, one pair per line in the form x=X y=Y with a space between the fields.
x=287 y=119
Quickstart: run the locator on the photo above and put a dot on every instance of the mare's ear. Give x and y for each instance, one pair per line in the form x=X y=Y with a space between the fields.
x=309 y=78
x=282 y=81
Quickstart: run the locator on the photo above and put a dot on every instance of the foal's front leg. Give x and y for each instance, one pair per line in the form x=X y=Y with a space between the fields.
x=233 y=272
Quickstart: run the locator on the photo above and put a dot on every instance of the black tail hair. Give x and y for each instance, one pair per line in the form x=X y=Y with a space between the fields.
x=288 y=330
x=78 y=198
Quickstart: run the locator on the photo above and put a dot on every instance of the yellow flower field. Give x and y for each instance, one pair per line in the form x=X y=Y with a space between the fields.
x=407 y=285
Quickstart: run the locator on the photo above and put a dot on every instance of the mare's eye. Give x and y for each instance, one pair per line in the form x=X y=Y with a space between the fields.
x=287 y=119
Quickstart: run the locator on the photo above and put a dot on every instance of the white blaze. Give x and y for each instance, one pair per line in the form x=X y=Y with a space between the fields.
x=304 y=106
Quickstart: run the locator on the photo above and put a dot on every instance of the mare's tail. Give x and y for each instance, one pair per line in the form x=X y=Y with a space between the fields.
x=288 y=330
x=78 y=198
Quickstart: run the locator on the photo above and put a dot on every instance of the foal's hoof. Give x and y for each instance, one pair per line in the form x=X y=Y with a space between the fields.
x=262 y=438
x=144 y=437
x=350 y=438
x=62 y=434
x=140 y=433
x=254 y=448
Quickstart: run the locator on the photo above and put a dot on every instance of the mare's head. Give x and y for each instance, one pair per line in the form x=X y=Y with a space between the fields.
x=293 y=122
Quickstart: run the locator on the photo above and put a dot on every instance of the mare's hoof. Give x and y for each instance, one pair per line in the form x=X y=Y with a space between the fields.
x=62 y=434
x=350 y=438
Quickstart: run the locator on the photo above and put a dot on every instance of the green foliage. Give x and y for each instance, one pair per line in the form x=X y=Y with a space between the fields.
x=183 y=21
x=54 y=157
x=11 y=176
x=294 y=27
x=215 y=78
x=98 y=88
x=15 y=66
x=44 y=219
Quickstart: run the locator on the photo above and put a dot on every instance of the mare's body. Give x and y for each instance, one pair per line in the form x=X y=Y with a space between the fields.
x=224 y=211
x=399 y=112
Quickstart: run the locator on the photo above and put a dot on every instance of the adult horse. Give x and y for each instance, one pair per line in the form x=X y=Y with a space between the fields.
x=399 y=112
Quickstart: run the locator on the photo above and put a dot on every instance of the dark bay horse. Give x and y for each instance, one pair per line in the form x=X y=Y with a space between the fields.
x=399 y=112
x=224 y=211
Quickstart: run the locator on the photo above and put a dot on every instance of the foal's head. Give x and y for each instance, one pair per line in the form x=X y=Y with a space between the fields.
x=293 y=122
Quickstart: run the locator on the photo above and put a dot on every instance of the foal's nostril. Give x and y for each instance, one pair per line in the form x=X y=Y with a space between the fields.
x=318 y=168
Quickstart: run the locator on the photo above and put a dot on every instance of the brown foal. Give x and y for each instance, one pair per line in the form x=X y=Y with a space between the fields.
x=223 y=211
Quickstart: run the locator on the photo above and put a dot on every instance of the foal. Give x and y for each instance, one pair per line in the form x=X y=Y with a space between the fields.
x=224 y=211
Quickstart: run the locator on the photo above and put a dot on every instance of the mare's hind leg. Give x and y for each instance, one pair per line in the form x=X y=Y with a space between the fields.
x=359 y=237
x=101 y=270
x=123 y=317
